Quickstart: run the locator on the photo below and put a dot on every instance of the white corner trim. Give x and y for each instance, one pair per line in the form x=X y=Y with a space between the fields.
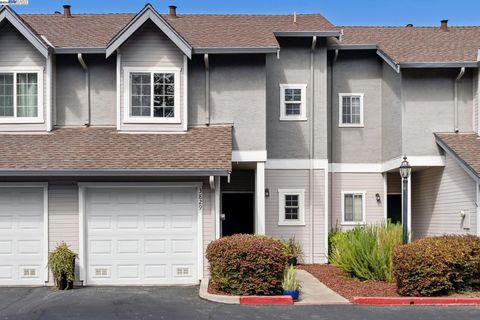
x=48 y=91
x=119 y=87
x=326 y=212
x=364 y=213
x=478 y=207
x=200 y=206
x=295 y=164
x=185 y=92
x=81 y=233
x=281 y=207
x=249 y=156
x=260 y=198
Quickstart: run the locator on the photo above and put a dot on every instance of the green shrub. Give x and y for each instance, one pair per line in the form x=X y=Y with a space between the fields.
x=365 y=252
x=247 y=264
x=61 y=262
x=437 y=266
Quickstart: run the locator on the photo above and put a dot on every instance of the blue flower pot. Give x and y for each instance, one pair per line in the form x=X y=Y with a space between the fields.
x=293 y=293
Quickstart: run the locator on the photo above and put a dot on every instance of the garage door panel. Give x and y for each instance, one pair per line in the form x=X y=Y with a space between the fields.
x=149 y=234
x=21 y=236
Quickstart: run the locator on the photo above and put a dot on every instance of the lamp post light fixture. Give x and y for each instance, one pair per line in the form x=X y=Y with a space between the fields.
x=405 y=170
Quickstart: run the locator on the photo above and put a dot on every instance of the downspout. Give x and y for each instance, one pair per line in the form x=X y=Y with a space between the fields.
x=207 y=87
x=460 y=75
x=312 y=145
x=87 y=76
x=332 y=141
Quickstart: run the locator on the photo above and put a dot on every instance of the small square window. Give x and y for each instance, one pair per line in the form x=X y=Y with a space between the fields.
x=291 y=205
x=292 y=102
x=353 y=207
x=351 y=110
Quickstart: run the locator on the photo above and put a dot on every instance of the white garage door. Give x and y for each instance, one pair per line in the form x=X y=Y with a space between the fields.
x=140 y=235
x=21 y=236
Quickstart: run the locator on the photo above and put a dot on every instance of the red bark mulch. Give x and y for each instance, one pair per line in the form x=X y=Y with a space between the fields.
x=337 y=280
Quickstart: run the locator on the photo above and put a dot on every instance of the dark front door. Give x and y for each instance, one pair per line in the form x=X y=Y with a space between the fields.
x=238 y=213
x=394 y=208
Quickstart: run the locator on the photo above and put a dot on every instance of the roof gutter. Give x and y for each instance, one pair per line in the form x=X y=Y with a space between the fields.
x=318 y=34
x=87 y=85
x=115 y=173
x=235 y=50
x=389 y=60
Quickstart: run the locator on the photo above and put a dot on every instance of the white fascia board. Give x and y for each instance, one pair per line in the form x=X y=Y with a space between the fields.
x=388 y=60
x=249 y=156
x=11 y=16
x=148 y=13
x=415 y=161
x=296 y=164
x=459 y=161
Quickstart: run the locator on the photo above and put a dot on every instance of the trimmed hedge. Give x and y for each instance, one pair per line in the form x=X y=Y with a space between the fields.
x=247 y=265
x=437 y=266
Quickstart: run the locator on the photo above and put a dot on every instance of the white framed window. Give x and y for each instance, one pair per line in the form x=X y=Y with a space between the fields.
x=350 y=109
x=152 y=95
x=353 y=207
x=293 y=106
x=291 y=207
x=21 y=95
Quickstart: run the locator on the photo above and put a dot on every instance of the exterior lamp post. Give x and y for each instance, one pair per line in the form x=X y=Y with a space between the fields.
x=405 y=170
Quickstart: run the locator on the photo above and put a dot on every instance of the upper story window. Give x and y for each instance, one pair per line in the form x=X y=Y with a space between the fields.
x=353 y=207
x=351 y=110
x=293 y=102
x=21 y=94
x=152 y=96
x=291 y=207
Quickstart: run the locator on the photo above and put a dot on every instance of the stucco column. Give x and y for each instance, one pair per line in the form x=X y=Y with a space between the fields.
x=260 y=198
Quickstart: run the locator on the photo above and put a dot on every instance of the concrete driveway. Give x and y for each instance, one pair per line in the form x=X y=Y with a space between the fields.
x=179 y=303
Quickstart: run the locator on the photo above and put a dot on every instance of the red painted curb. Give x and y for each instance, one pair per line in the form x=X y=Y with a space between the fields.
x=415 y=301
x=280 y=300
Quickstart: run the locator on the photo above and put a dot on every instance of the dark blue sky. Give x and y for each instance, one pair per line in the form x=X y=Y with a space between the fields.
x=340 y=12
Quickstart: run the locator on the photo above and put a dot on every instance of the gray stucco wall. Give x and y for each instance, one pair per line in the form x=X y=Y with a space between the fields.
x=391 y=113
x=16 y=51
x=237 y=96
x=290 y=139
x=358 y=72
x=298 y=179
x=71 y=90
x=428 y=107
x=438 y=195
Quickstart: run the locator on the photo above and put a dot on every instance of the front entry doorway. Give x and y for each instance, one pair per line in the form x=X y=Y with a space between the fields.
x=238 y=213
x=394 y=208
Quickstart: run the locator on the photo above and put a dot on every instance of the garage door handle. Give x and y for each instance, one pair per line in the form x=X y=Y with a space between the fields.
x=223 y=217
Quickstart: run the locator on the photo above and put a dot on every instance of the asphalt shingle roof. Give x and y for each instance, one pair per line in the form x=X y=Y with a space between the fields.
x=106 y=149
x=466 y=146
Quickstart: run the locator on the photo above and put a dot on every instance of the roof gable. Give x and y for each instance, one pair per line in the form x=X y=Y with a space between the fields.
x=148 y=13
x=7 y=14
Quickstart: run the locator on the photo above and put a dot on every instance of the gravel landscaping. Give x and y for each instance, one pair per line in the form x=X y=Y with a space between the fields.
x=334 y=278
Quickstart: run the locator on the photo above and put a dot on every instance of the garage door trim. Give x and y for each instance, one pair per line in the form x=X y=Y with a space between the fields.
x=83 y=186
x=44 y=186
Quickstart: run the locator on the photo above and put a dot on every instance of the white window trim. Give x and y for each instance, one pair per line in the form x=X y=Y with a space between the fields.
x=126 y=92
x=340 y=111
x=303 y=104
x=40 y=117
x=281 y=207
x=364 y=213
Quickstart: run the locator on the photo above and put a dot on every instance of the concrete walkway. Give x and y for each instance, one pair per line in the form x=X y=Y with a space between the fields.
x=313 y=292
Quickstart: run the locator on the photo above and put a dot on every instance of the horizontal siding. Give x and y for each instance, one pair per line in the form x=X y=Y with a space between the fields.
x=438 y=195
x=298 y=179
x=63 y=217
x=149 y=47
x=17 y=51
x=371 y=183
